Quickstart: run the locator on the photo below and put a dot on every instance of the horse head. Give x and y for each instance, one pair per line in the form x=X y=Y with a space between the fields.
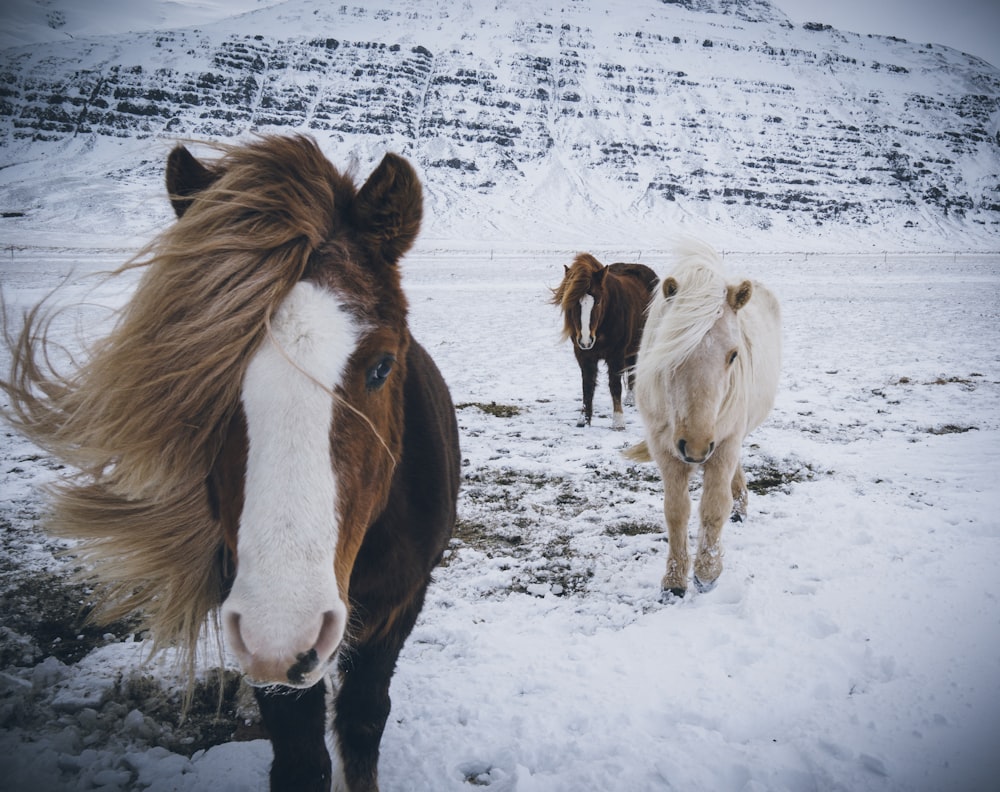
x=701 y=376
x=589 y=312
x=307 y=458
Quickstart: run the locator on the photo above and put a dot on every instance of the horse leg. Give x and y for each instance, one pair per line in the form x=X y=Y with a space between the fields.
x=740 y=495
x=716 y=506
x=676 y=511
x=616 y=368
x=296 y=723
x=629 y=377
x=588 y=373
x=363 y=702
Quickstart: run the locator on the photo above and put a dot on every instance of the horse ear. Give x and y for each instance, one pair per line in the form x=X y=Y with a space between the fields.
x=738 y=296
x=389 y=207
x=186 y=177
x=669 y=287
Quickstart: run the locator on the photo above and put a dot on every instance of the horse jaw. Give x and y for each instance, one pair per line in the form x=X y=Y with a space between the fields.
x=285 y=618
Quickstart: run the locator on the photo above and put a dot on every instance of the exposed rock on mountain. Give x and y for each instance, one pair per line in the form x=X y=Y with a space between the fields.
x=557 y=119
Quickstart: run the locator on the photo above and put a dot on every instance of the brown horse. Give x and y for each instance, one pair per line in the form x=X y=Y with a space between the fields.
x=603 y=313
x=261 y=432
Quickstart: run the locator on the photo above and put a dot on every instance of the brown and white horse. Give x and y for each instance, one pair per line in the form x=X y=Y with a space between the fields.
x=261 y=432
x=603 y=312
x=707 y=375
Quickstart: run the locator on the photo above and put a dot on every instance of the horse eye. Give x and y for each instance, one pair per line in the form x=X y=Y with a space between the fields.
x=732 y=357
x=379 y=373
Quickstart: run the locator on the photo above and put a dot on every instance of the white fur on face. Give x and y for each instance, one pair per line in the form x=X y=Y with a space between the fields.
x=285 y=600
x=586 y=307
x=698 y=388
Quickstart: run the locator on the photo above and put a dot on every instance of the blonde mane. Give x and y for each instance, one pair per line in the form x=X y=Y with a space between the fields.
x=678 y=324
x=142 y=417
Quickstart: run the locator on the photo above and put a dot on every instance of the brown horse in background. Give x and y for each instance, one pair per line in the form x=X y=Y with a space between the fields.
x=603 y=313
x=261 y=438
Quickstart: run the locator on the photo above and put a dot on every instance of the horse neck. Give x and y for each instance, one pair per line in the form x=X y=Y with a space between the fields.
x=622 y=312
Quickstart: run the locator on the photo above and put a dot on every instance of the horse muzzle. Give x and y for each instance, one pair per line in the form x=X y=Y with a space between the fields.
x=694 y=454
x=586 y=345
x=297 y=663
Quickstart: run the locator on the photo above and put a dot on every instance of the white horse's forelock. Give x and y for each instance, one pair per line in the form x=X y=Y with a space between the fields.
x=677 y=324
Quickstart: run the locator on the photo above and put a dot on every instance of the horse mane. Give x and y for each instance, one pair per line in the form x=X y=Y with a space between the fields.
x=679 y=323
x=574 y=285
x=675 y=326
x=143 y=416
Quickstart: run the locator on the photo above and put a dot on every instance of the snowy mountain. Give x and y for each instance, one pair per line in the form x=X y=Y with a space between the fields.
x=577 y=121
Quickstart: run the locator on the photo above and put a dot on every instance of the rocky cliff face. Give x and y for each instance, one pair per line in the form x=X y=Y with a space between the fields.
x=711 y=112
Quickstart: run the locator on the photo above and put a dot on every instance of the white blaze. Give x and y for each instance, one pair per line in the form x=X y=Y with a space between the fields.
x=586 y=306
x=287 y=540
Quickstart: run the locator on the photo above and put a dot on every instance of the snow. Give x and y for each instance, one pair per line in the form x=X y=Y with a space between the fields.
x=853 y=641
x=814 y=139
x=39 y=21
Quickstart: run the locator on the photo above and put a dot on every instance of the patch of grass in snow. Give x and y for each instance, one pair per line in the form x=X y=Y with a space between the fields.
x=218 y=703
x=494 y=409
x=950 y=429
x=967 y=383
x=767 y=474
x=636 y=478
x=633 y=528
x=53 y=611
x=477 y=534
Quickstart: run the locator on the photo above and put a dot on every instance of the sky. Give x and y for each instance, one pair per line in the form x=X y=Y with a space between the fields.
x=971 y=26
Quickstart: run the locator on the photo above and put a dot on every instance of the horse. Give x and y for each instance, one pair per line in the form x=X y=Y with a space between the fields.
x=261 y=442
x=603 y=311
x=706 y=376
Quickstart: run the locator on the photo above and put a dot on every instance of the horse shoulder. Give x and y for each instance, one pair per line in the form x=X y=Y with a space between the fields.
x=430 y=443
x=761 y=326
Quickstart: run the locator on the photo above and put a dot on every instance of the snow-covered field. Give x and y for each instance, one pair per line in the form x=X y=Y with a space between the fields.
x=853 y=641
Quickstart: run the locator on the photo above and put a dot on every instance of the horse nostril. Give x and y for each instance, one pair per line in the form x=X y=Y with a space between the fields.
x=331 y=632
x=232 y=627
x=305 y=664
x=681 y=446
x=711 y=447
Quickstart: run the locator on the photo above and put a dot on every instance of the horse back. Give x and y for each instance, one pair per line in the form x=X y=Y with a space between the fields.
x=405 y=543
x=634 y=286
x=638 y=271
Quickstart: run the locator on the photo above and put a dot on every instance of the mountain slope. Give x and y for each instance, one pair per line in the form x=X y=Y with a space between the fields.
x=563 y=121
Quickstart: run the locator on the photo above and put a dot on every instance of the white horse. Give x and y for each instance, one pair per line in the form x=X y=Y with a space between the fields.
x=706 y=376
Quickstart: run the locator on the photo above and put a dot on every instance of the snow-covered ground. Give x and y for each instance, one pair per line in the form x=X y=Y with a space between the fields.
x=852 y=643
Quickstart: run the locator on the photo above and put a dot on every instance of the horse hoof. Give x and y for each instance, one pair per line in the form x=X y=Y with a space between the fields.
x=702 y=586
x=736 y=517
x=670 y=595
